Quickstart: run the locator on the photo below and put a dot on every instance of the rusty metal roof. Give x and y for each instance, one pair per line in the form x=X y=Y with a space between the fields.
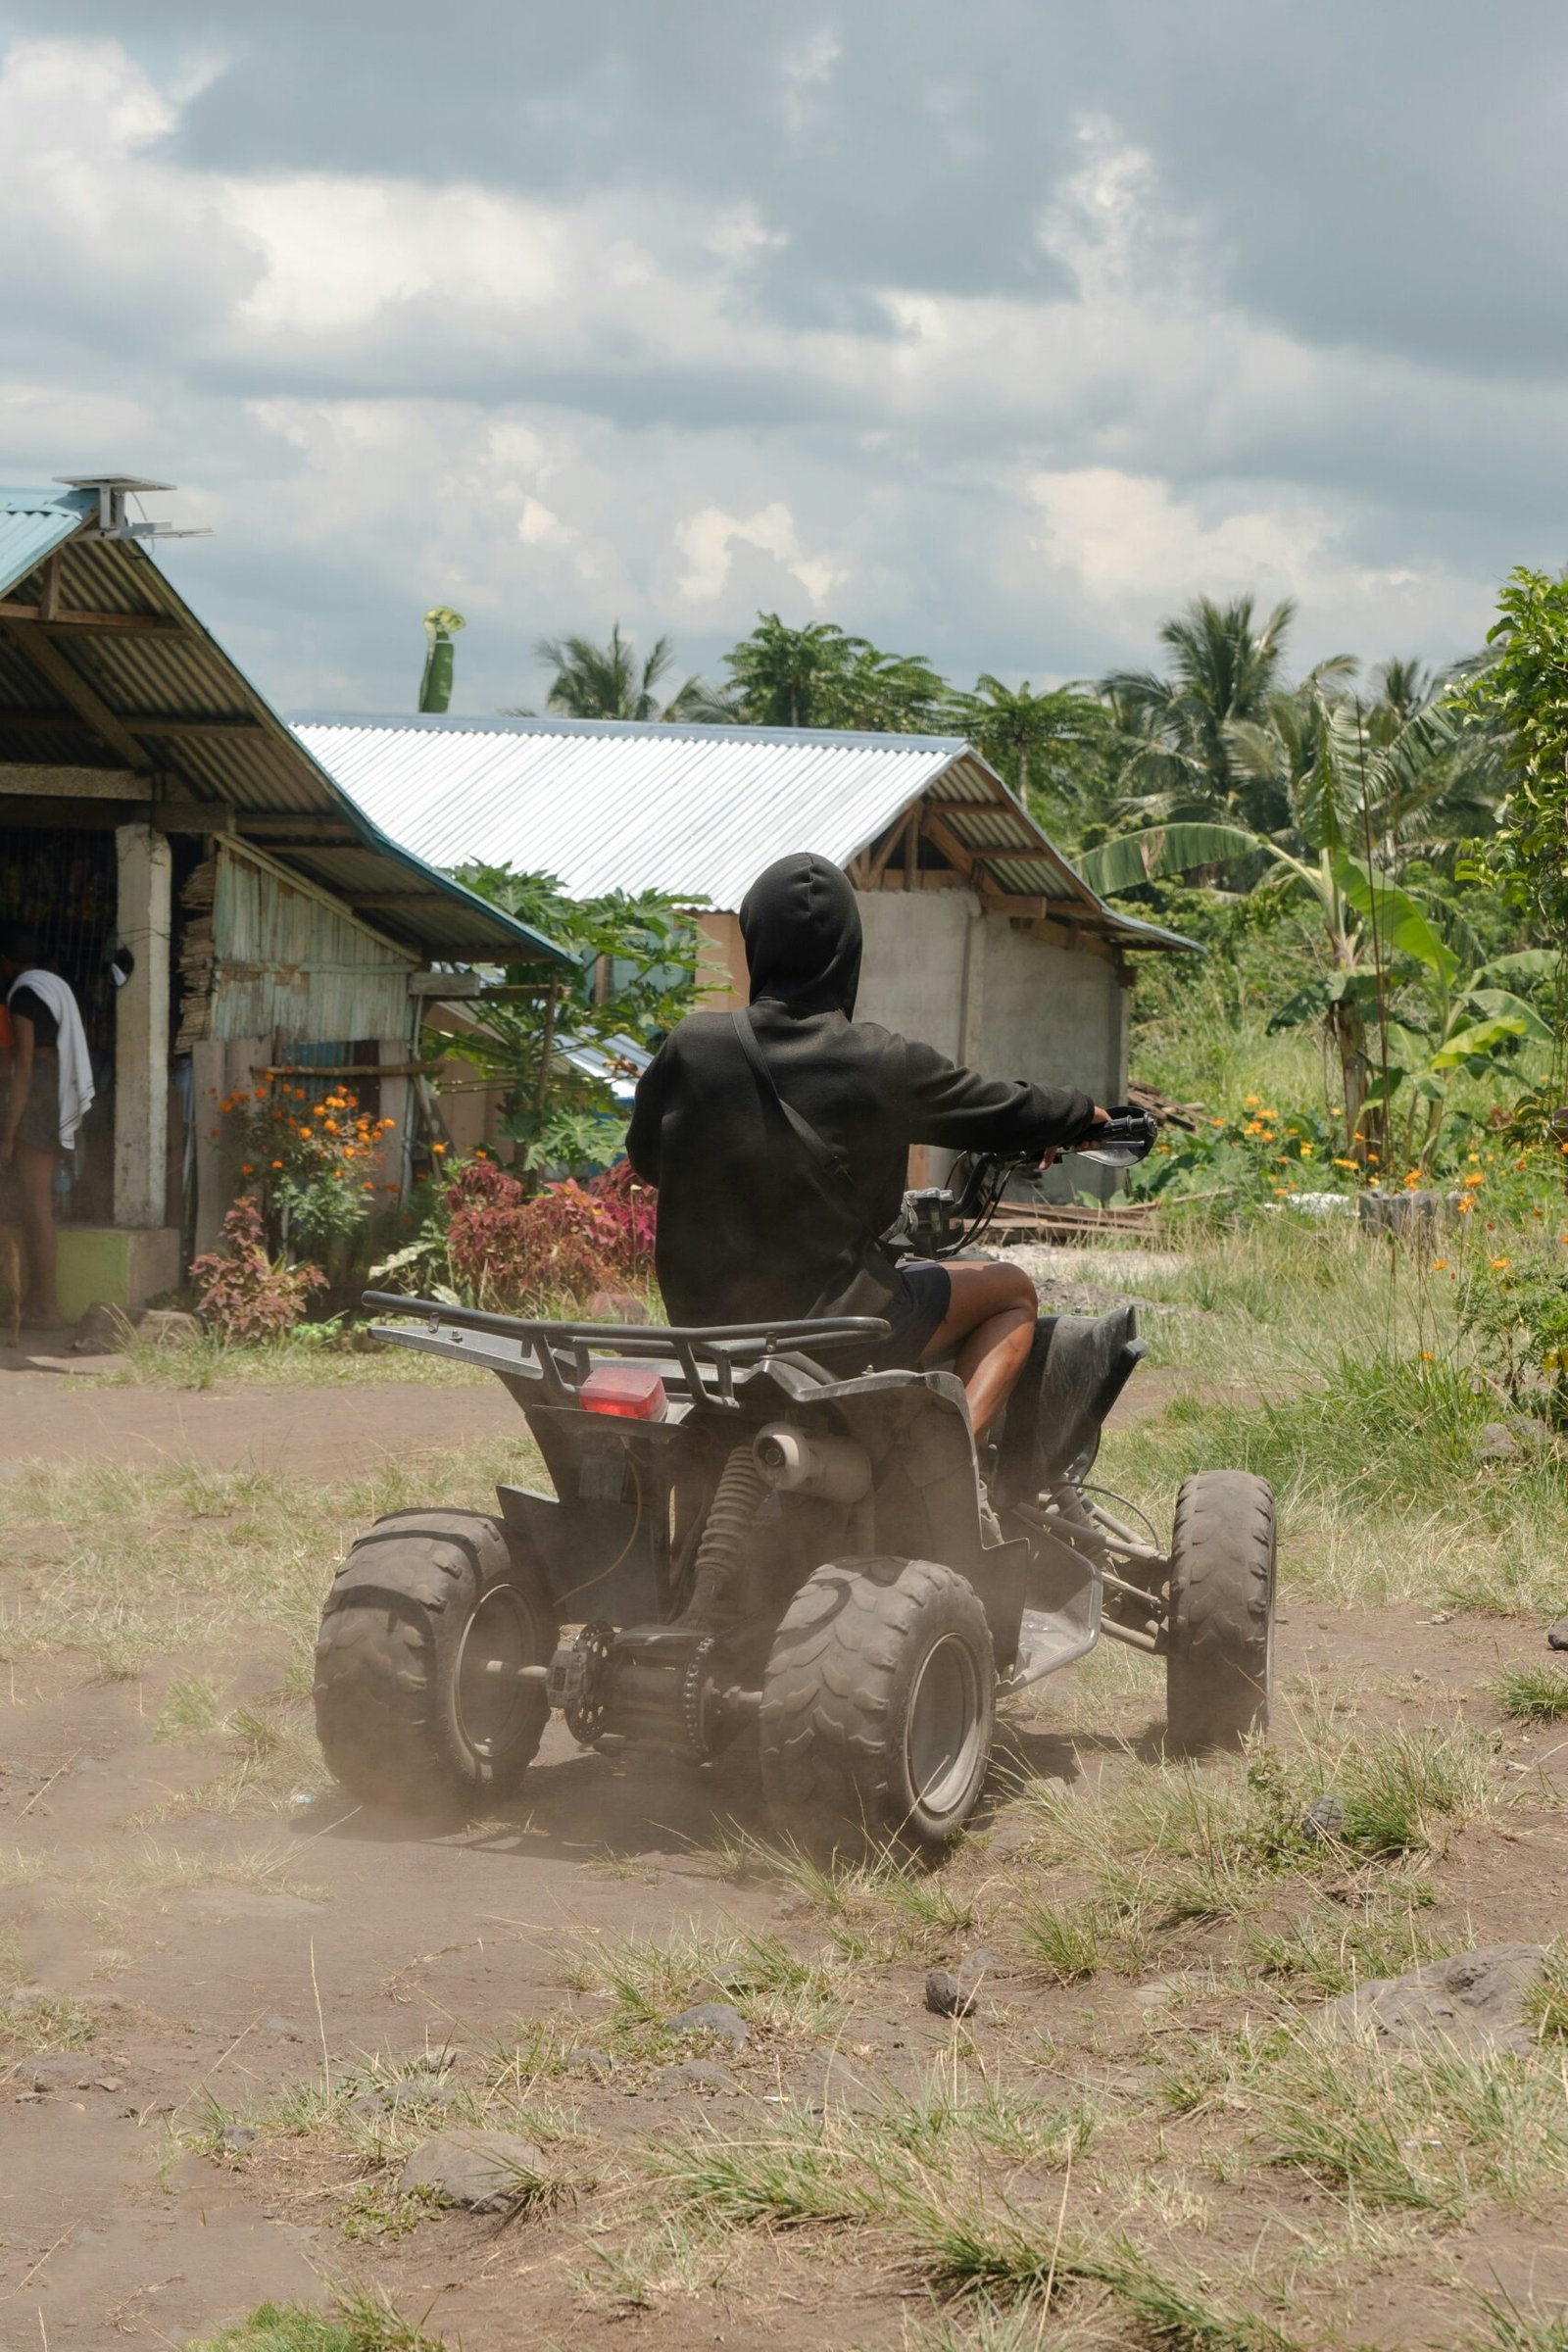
x=690 y=811
x=141 y=688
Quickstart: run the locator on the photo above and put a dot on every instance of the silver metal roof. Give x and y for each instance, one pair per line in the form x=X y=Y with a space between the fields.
x=156 y=696
x=693 y=811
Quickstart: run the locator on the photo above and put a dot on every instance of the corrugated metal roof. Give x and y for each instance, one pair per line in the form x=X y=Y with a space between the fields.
x=34 y=523
x=222 y=743
x=690 y=811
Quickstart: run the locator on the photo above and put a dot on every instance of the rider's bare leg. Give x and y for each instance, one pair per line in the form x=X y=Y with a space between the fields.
x=990 y=1321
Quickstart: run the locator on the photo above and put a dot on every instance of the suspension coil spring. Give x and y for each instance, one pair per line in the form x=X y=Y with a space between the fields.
x=740 y=1491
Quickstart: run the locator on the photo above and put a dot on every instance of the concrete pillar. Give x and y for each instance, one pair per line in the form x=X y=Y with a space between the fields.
x=396 y=1103
x=141 y=1027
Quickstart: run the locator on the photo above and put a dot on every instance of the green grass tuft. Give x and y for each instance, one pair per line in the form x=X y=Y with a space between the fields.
x=362 y=2321
x=1533 y=1694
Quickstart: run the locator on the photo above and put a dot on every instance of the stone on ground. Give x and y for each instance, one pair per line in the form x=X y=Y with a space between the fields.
x=1475 y=2001
x=485 y=2171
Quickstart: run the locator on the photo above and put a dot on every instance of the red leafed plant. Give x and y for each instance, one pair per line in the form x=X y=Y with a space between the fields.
x=243 y=1294
x=511 y=1250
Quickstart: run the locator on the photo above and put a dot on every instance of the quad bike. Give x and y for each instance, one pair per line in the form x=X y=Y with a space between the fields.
x=755 y=1536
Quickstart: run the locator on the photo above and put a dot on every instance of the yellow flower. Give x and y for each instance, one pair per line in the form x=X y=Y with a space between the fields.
x=1440 y=1265
x=1427 y=1356
x=1464 y=1206
x=1251 y=1102
x=1500 y=1265
x=1474 y=1178
x=1346 y=1163
x=1307 y=1150
x=1253 y=1127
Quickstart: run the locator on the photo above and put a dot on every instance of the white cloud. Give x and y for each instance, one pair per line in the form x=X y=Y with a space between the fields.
x=708 y=539
x=556 y=407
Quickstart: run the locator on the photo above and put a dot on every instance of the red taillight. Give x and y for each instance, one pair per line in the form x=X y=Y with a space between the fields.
x=627 y=1391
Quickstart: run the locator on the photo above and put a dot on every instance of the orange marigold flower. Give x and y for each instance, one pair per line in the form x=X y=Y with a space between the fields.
x=307 y=1133
x=439 y=1149
x=247 y=1170
x=332 y=1126
x=1440 y=1265
x=277 y=1163
x=1427 y=1356
x=1500 y=1265
x=1464 y=1208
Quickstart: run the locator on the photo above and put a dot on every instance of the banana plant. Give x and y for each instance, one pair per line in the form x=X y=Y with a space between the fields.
x=1462 y=1019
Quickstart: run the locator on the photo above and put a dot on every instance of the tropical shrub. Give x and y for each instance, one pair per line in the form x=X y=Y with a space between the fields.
x=242 y=1293
x=510 y=1249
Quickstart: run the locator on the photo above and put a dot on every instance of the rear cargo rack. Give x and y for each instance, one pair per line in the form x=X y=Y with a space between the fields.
x=559 y=1356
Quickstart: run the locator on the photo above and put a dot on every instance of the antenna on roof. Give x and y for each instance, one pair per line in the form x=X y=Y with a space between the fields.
x=113 y=490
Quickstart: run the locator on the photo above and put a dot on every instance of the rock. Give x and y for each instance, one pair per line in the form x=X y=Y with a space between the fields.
x=716 y=2017
x=1324 y=1818
x=62 y=2070
x=944 y=1996
x=283 y=2028
x=1476 y=2001
x=104 y=1329
x=169 y=1327
x=1532 y=1430
x=615 y=1306
x=596 y=2063
x=697 y=2074
x=1497 y=1444
x=1557 y=1634
x=949 y=1996
x=239 y=2140
x=488 y=2172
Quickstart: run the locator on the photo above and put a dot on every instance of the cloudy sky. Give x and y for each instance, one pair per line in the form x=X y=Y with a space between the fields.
x=992 y=332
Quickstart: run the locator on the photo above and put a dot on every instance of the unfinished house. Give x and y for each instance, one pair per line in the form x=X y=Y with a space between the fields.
x=150 y=800
x=979 y=937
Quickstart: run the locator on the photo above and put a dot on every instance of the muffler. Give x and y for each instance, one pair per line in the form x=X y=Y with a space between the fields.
x=836 y=1469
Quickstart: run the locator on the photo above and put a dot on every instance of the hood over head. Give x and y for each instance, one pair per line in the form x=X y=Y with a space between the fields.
x=801 y=929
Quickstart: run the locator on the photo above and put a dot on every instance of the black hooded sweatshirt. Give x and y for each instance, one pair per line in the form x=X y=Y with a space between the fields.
x=746 y=1228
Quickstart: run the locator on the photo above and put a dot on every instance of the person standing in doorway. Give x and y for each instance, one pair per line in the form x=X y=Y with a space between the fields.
x=51 y=1088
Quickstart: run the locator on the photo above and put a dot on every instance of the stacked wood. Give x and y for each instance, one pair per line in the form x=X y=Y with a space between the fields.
x=1076 y=1220
x=198 y=957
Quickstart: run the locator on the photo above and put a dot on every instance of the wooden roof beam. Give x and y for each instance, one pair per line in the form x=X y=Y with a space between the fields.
x=41 y=616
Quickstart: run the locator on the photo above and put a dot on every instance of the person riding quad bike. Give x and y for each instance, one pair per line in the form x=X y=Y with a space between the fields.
x=780 y=1521
x=779 y=1138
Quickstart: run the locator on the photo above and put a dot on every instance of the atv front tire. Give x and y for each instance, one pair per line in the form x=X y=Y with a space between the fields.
x=1219 y=1665
x=417 y=1705
x=879 y=1704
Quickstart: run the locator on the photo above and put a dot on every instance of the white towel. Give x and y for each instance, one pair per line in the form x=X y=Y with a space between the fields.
x=76 y=1066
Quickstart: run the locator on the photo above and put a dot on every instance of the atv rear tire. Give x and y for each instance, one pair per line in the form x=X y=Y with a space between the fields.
x=1219 y=1667
x=407 y=1713
x=879 y=1704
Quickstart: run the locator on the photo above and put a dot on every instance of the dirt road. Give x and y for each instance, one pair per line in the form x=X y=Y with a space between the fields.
x=181 y=1963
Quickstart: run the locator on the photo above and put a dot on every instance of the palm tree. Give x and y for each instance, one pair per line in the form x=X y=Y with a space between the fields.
x=1223 y=670
x=789 y=677
x=605 y=682
x=820 y=676
x=1021 y=732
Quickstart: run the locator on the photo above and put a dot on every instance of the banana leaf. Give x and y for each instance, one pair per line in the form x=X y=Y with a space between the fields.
x=1162 y=851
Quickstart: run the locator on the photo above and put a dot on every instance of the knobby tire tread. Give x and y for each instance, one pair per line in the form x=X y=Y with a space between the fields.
x=378 y=1711
x=1222 y=1590
x=828 y=1744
